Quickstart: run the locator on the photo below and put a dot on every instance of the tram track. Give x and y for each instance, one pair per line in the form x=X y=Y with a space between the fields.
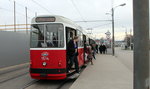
x=29 y=84
x=63 y=83
x=50 y=84
x=13 y=68
x=12 y=75
x=33 y=84
x=58 y=86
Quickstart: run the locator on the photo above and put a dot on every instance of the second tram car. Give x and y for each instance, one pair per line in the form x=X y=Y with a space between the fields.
x=48 y=43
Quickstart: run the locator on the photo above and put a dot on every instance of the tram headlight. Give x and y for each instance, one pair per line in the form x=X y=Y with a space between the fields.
x=60 y=63
x=44 y=63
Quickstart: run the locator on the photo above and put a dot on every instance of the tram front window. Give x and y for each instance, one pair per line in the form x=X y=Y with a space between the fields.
x=49 y=35
x=37 y=36
x=54 y=35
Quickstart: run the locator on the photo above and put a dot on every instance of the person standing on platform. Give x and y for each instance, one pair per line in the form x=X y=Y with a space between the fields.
x=101 y=49
x=104 y=49
x=90 y=55
x=94 y=50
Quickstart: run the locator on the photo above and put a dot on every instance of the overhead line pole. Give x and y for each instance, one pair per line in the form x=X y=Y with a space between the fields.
x=113 y=38
x=15 y=16
x=26 y=19
x=35 y=14
x=141 y=43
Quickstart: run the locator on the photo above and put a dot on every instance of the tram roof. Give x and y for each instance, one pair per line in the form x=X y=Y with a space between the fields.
x=59 y=19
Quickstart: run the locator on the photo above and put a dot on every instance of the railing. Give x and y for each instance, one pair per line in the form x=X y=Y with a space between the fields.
x=17 y=27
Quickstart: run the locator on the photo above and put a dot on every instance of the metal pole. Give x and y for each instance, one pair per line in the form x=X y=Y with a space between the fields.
x=35 y=14
x=130 y=31
x=113 y=38
x=5 y=26
x=126 y=39
x=141 y=43
x=26 y=20
x=130 y=37
x=15 y=16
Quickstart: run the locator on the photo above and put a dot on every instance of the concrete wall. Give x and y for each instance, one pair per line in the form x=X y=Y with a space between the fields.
x=14 y=48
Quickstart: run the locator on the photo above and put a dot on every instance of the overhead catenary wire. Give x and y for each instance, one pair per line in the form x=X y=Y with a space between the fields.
x=84 y=21
x=41 y=6
x=12 y=11
x=74 y=5
x=77 y=10
x=100 y=25
x=5 y=9
x=29 y=9
x=25 y=6
x=21 y=5
x=92 y=21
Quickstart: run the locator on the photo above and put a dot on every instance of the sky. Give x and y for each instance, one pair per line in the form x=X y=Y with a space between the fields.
x=76 y=10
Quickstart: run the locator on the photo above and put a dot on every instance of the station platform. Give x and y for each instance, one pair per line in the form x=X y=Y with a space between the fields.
x=106 y=73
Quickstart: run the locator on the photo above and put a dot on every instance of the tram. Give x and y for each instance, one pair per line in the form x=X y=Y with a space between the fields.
x=48 y=42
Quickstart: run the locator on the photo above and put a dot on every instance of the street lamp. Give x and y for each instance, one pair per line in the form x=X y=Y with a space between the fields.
x=113 y=38
x=122 y=4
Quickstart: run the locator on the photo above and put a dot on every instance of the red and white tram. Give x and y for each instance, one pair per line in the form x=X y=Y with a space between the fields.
x=48 y=43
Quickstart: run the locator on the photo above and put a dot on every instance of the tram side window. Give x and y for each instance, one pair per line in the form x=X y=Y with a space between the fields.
x=80 y=43
x=69 y=34
x=87 y=41
x=54 y=35
x=78 y=34
x=37 y=36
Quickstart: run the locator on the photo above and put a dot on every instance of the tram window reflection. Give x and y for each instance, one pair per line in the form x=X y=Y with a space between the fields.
x=37 y=36
x=48 y=35
x=54 y=35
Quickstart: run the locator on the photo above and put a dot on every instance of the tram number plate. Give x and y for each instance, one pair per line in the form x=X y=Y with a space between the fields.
x=43 y=75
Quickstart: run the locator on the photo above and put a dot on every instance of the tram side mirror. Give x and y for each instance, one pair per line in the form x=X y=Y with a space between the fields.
x=35 y=26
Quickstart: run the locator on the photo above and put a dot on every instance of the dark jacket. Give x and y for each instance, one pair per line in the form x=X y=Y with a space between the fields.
x=104 y=48
x=71 y=48
x=101 y=48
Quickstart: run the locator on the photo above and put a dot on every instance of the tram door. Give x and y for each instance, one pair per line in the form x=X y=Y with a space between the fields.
x=85 y=46
x=70 y=33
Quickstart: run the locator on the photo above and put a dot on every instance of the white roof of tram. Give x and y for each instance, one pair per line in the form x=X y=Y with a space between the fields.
x=58 y=19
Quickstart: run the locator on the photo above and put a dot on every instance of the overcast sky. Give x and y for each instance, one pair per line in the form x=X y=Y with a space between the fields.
x=76 y=10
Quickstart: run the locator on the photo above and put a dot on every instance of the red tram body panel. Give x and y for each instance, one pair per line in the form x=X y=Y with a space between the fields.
x=55 y=60
x=81 y=56
x=55 y=67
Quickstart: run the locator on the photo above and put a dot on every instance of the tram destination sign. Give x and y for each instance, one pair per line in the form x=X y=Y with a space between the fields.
x=45 y=19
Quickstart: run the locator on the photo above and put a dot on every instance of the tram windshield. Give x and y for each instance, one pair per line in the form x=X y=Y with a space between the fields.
x=47 y=35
